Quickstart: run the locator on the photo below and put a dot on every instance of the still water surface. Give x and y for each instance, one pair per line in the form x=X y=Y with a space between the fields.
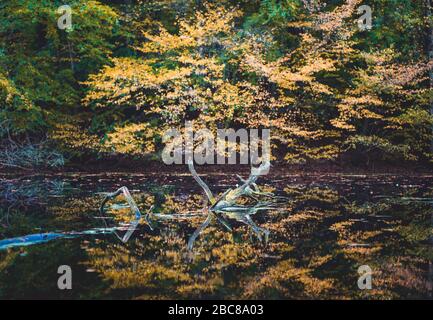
x=328 y=227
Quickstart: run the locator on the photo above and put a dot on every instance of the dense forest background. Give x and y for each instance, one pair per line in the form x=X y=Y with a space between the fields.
x=126 y=71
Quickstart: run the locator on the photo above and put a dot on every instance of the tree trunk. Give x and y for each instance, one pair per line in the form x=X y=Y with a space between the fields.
x=71 y=57
x=429 y=42
x=429 y=39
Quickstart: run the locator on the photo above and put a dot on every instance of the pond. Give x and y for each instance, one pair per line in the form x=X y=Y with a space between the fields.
x=328 y=226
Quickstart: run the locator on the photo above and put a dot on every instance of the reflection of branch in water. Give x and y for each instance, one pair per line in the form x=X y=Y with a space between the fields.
x=132 y=205
x=220 y=208
x=199 y=230
x=227 y=206
x=23 y=192
x=38 y=238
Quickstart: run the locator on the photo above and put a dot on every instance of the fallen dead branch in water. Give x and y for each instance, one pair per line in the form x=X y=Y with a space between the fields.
x=218 y=209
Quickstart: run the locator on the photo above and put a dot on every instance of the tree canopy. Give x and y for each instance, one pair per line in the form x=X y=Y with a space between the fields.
x=126 y=72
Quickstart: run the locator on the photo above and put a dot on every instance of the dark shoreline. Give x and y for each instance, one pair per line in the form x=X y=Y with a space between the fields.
x=277 y=169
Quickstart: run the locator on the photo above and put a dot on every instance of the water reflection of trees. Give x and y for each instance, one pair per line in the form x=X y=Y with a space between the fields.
x=316 y=245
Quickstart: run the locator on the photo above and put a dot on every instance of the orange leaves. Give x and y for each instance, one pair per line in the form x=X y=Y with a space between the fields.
x=395 y=76
x=202 y=29
x=334 y=21
x=353 y=108
x=164 y=42
x=133 y=139
x=312 y=94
